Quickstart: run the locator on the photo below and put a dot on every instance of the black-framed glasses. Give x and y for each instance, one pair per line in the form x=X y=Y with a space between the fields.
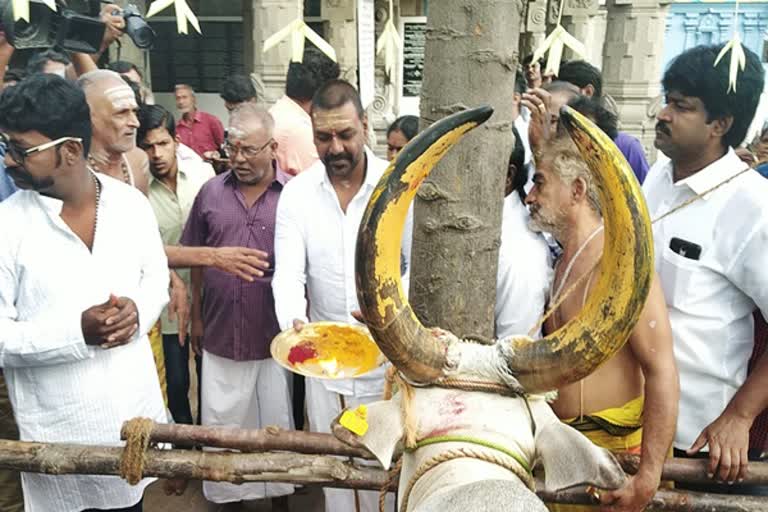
x=247 y=151
x=20 y=154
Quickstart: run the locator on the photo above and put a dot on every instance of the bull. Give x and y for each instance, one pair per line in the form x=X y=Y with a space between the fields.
x=472 y=419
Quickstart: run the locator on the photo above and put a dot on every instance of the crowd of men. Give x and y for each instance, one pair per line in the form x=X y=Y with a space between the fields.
x=132 y=235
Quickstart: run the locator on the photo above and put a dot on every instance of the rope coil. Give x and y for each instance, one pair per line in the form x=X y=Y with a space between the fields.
x=137 y=434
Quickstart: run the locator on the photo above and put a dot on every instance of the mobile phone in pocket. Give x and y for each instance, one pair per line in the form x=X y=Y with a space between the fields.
x=685 y=248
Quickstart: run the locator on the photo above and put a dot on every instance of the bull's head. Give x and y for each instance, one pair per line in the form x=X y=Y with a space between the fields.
x=564 y=356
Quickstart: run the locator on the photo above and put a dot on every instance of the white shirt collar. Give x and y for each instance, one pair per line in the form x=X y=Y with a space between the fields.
x=712 y=175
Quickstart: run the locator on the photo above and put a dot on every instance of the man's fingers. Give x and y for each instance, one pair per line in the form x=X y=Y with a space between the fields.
x=255 y=253
x=243 y=274
x=116 y=327
x=697 y=445
x=714 y=459
x=119 y=317
x=724 y=465
x=298 y=325
x=182 y=333
x=122 y=337
x=743 y=466
x=250 y=269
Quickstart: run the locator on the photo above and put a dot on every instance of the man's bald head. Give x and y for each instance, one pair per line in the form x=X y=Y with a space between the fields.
x=113 y=110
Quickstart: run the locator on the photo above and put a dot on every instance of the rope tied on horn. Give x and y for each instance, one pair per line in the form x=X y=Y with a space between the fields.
x=137 y=434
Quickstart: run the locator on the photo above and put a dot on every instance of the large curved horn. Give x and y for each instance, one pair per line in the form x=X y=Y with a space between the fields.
x=607 y=319
x=398 y=333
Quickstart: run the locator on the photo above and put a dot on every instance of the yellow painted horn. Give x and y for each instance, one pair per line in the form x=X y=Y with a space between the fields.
x=626 y=269
x=394 y=326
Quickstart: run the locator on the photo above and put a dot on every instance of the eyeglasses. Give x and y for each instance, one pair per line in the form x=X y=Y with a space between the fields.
x=20 y=154
x=247 y=151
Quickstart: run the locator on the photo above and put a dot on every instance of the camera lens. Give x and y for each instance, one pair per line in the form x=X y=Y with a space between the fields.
x=139 y=31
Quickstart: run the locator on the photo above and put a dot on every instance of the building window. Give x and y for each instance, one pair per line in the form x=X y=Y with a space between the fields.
x=202 y=62
x=312 y=8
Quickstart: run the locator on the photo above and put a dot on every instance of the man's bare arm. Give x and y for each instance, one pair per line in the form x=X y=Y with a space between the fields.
x=240 y=261
x=728 y=435
x=651 y=343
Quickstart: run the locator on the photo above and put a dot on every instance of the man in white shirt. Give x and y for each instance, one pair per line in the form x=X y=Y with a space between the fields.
x=318 y=217
x=711 y=238
x=525 y=263
x=73 y=330
x=173 y=185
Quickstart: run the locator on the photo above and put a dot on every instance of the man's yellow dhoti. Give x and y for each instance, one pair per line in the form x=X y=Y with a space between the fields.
x=618 y=429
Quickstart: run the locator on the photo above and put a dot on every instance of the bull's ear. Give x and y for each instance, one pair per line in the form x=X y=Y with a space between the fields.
x=385 y=429
x=570 y=459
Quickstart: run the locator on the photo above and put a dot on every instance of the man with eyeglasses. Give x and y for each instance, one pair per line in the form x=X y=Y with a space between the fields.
x=73 y=331
x=241 y=385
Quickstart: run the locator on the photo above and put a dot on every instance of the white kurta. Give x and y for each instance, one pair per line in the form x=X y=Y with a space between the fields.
x=524 y=272
x=61 y=389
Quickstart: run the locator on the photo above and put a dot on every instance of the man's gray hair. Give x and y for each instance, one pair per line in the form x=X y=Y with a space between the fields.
x=184 y=86
x=568 y=164
x=249 y=113
x=98 y=76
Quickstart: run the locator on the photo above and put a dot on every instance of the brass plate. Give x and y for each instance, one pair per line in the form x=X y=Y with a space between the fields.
x=327 y=350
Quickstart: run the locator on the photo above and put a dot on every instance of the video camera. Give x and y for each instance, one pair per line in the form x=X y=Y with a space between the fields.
x=69 y=29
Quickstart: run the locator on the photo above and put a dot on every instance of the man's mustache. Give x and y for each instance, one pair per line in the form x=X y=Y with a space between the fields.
x=663 y=128
x=338 y=158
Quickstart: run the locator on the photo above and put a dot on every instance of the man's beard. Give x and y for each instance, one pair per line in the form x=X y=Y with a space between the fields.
x=29 y=181
x=341 y=157
x=545 y=221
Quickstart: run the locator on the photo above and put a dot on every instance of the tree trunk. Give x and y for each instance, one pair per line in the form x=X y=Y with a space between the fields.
x=470 y=59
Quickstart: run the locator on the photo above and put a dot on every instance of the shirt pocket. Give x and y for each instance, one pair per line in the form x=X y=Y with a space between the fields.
x=678 y=275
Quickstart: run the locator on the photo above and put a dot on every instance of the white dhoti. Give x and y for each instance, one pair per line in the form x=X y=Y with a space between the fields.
x=244 y=394
x=323 y=406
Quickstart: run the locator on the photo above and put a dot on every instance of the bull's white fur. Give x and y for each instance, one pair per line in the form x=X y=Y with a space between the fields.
x=493 y=418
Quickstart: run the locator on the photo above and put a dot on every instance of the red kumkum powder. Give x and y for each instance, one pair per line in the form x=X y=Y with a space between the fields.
x=301 y=352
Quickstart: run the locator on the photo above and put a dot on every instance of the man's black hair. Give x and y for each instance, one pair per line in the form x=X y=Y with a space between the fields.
x=237 y=89
x=136 y=88
x=692 y=74
x=48 y=104
x=408 y=125
x=517 y=159
x=529 y=58
x=336 y=93
x=594 y=109
x=581 y=73
x=152 y=117
x=305 y=78
x=36 y=63
x=123 y=66
x=520 y=84
x=14 y=75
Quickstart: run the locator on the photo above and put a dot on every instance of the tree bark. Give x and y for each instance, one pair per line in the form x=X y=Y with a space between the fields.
x=471 y=57
x=249 y=440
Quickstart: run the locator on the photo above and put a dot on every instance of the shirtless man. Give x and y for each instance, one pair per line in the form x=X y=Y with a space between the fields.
x=638 y=388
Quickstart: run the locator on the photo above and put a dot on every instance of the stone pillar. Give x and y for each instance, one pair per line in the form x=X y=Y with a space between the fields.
x=632 y=56
x=261 y=19
x=535 y=29
x=342 y=35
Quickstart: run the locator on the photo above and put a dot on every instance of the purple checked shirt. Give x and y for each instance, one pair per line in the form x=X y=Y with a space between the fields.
x=238 y=317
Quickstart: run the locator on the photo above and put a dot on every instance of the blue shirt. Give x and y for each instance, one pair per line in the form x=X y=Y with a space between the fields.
x=7 y=186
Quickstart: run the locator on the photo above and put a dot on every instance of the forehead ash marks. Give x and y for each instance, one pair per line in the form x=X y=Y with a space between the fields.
x=332 y=121
x=121 y=97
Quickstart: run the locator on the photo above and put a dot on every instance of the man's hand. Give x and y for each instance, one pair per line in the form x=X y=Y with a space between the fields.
x=728 y=440
x=298 y=325
x=93 y=322
x=110 y=324
x=358 y=315
x=240 y=261
x=123 y=324
x=115 y=24
x=196 y=337
x=539 y=103
x=178 y=307
x=634 y=496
